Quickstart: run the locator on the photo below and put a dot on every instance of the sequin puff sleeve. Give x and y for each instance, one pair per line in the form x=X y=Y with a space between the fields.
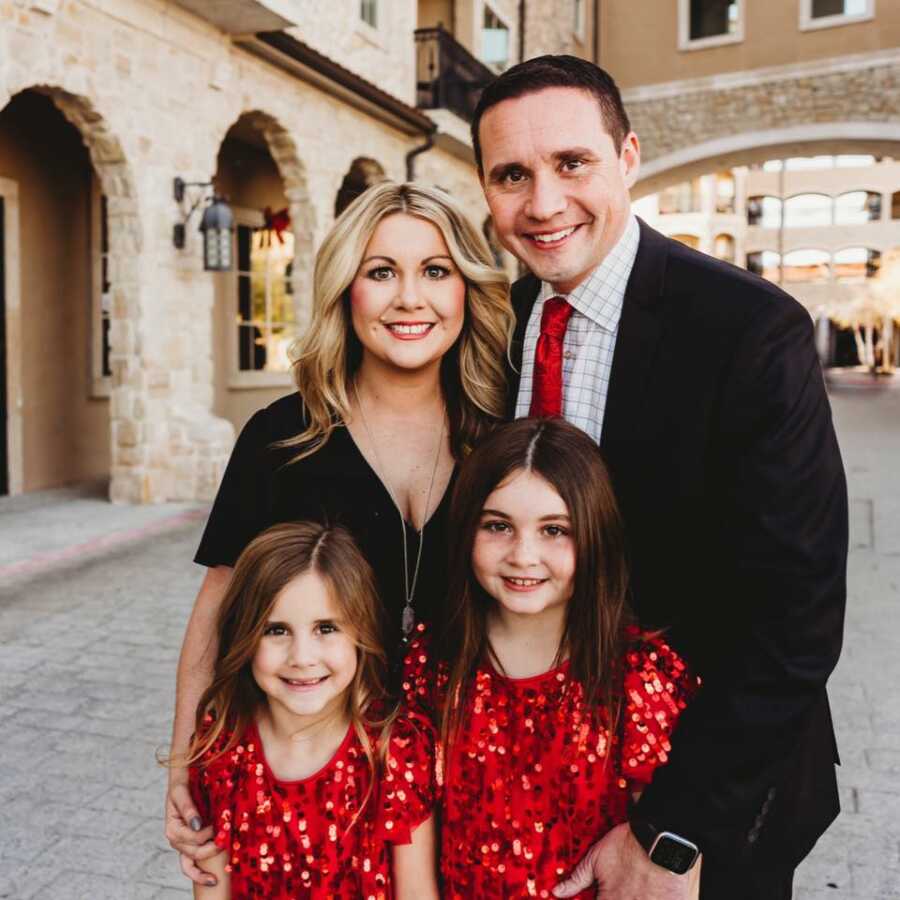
x=212 y=783
x=407 y=788
x=658 y=686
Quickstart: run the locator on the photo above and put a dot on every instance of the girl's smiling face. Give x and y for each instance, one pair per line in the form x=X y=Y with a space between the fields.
x=524 y=554
x=307 y=656
x=408 y=299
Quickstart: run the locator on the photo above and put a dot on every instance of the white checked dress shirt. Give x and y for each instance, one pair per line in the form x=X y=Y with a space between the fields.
x=590 y=337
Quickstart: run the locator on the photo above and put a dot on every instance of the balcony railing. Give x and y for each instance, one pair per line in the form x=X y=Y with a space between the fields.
x=447 y=75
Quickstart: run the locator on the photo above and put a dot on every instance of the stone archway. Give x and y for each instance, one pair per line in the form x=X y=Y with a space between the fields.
x=702 y=124
x=136 y=474
x=363 y=173
x=748 y=147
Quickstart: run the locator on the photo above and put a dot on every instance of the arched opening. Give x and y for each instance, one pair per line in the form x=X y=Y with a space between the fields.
x=805 y=267
x=689 y=240
x=363 y=173
x=766 y=263
x=857 y=208
x=808 y=211
x=855 y=264
x=724 y=247
x=59 y=233
x=764 y=211
x=263 y=305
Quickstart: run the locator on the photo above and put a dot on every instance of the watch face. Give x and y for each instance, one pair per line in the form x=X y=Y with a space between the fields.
x=673 y=853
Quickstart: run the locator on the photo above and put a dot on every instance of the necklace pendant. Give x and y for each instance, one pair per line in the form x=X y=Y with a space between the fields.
x=408 y=620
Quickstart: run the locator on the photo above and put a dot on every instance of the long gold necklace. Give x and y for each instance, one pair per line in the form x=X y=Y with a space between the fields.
x=408 y=618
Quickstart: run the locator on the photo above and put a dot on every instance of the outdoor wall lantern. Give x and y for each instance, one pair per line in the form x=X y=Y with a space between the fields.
x=216 y=225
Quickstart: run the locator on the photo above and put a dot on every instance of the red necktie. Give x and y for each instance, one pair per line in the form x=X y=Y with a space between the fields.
x=547 y=385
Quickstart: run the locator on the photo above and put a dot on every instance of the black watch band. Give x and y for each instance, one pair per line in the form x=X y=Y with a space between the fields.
x=665 y=848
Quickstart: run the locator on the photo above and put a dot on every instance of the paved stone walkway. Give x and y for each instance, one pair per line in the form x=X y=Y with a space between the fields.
x=89 y=642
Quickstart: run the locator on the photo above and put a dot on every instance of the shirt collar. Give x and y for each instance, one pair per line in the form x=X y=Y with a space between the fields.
x=600 y=296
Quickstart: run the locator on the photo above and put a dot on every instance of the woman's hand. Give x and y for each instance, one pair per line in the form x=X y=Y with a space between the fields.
x=185 y=831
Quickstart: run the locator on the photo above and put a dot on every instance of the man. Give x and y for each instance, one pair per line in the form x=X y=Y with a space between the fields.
x=702 y=385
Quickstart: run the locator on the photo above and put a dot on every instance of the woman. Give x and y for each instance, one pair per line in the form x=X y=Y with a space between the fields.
x=400 y=373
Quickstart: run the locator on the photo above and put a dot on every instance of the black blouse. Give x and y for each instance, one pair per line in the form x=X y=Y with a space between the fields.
x=334 y=484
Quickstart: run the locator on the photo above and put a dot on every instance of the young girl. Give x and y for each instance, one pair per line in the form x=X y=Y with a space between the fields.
x=313 y=785
x=553 y=711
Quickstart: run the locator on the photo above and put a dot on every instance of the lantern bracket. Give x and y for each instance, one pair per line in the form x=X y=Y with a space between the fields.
x=179 y=189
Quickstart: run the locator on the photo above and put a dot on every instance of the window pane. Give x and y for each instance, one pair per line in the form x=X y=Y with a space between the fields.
x=764 y=211
x=724 y=247
x=821 y=8
x=856 y=207
x=710 y=18
x=368 y=12
x=765 y=263
x=724 y=193
x=680 y=198
x=849 y=161
x=807 y=211
x=807 y=163
x=856 y=264
x=494 y=40
x=806 y=266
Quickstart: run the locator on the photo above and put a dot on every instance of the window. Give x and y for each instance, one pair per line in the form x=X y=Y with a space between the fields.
x=827 y=13
x=689 y=240
x=808 y=163
x=766 y=263
x=101 y=294
x=807 y=211
x=494 y=40
x=853 y=161
x=856 y=264
x=368 y=12
x=857 y=207
x=680 y=198
x=266 y=327
x=764 y=212
x=724 y=192
x=724 y=247
x=805 y=266
x=895 y=205
x=579 y=26
x=709 y=23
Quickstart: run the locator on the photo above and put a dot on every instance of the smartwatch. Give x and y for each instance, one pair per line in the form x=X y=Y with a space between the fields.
x=665 y=848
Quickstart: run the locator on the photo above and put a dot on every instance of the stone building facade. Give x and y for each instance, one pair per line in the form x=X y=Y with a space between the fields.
x=123 y=357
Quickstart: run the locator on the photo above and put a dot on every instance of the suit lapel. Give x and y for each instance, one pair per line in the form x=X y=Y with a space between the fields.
x=523 y=294
x=640 y=328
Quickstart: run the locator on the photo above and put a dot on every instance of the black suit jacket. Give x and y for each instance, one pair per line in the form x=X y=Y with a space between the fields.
x=719 y=438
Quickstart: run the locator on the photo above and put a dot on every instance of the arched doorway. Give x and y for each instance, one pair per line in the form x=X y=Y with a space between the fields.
x=264 y=304
x=363 y=173
x=57 y=368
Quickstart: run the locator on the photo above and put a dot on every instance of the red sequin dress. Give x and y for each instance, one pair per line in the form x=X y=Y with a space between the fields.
x=297 y=839
x=531 y=782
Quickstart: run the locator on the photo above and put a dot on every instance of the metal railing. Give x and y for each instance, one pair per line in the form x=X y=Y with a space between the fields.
x=447 y=75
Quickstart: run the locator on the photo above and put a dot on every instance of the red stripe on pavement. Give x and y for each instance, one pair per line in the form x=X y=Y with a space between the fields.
x=43 y=561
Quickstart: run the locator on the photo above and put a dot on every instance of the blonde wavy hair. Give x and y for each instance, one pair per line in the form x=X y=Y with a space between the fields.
x=473 y=375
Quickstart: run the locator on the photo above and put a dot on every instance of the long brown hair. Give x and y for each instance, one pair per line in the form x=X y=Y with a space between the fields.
x=272 y=560
x=593 y=637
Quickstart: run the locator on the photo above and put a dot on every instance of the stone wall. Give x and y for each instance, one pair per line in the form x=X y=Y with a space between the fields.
x=690 y=127
x=153 y=91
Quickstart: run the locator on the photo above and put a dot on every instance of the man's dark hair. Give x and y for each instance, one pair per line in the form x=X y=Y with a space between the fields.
x=549 y=71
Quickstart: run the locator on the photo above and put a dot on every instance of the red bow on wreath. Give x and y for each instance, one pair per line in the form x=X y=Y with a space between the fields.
x=274 y=223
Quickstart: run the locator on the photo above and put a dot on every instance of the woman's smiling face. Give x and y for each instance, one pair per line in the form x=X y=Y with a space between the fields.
x=407 y=301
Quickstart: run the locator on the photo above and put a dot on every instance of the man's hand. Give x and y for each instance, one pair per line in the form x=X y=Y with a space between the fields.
x=185 y=831
x=622 y=870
